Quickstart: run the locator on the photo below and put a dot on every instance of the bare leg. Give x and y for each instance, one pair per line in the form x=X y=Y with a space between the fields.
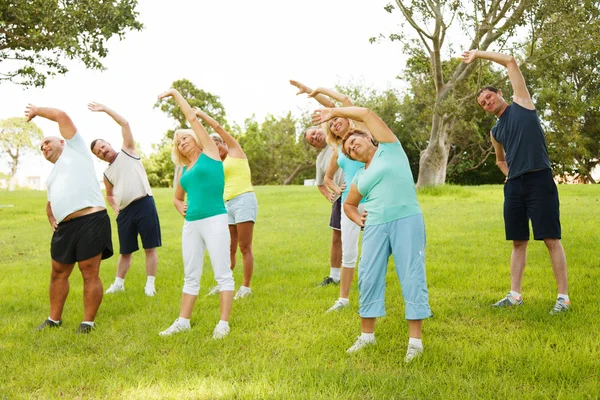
x=518 y=260
x=336 y=249
x=151 y=261
x=233 y=235
x=92 y=286
x=245 y=231
x=368 y=325
x=414 y=328
x=59 y=288
x=559 y=264
x=187 y=305
x=225 y=304
x=123 y=265
x=346 y=281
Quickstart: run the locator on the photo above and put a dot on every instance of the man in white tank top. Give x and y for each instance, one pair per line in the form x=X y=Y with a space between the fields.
x=128 y=193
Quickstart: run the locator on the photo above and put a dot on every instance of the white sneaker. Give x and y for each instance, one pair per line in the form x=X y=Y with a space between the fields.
x=242 y=292
x=213 y=291
x=360 y=343
x=176 y=327
x=114 y=288
x=220 y=332
x=338 y=305
x=150 y=291
x=412 y=352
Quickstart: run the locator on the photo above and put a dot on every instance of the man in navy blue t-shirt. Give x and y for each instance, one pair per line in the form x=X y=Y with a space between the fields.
x=529 y=192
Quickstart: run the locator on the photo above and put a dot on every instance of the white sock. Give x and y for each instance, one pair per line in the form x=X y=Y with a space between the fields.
x=120 y=281
x=150 y=281
x=56 y=322
x=368 y=336
x=335 y=274
x=183 y=322
x=564 y=296
x=344 y=301
x=515 y=294
x=223 y=324
x=90 y=323
x=415 y=342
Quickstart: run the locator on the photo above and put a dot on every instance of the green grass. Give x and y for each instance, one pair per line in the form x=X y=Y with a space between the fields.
x=282 y=344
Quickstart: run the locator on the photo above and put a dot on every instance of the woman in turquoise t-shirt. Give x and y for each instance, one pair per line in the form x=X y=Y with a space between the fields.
x=205 y=226
x=393 y=224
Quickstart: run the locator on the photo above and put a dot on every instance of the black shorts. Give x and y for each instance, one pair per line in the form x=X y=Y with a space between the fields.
x=336 y=215
x=532 y=196
x=82 y=238
x=139 y=217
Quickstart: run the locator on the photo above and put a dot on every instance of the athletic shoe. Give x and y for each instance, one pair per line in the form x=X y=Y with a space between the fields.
x=213 y=291
x=220 y=332
x=84 y=328
x=561 y=306
x=242 y=292
x=412 y=352
x=360 y=343
x=338 y=305
x=509 y=301
x=328 y=281
x=150 y=291
x=49 y=324
x=114 y=288
x=176 y=327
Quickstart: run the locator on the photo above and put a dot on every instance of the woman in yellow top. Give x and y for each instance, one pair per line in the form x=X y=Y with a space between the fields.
x=240 y=200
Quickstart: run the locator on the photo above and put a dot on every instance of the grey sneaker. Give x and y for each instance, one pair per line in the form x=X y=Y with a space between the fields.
x=338 y=305
x=328 y=281
x=49 y=324
x=561 y=306
x=176 y=327
x=220 y=332
x=242 y=292
x=508 y=301
x=84 y=328
x=360 y=343
x=114 y=288
x=412 y=352
x=213 y=291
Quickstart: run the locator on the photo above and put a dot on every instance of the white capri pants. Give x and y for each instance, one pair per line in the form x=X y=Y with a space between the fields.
x=350 y=233
x=210 y=234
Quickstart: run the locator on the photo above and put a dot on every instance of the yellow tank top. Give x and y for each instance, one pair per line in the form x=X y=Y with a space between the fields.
x=237 y=177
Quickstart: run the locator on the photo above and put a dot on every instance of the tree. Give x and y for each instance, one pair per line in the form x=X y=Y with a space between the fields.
x=36 y=36
x=17 y=136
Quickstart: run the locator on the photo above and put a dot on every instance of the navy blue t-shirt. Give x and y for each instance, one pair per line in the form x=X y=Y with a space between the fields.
x=519 y=131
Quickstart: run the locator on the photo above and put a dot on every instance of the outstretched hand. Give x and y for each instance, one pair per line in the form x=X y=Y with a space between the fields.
x=96 y=107
x=168 y=93
x=302 y=88
x=322 y=115
x=30 y=112
x=469 y=56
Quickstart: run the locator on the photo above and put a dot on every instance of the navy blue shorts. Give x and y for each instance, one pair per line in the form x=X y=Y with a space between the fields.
x=532 y=196
x=139 y=217
x=82 y=238
x=336 y=215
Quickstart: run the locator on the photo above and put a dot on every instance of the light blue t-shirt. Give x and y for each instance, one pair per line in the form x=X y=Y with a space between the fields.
x=388 y=186
x=349 y=167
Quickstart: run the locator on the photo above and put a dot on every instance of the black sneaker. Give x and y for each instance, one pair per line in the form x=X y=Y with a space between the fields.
x=328 y=281
x=84 y=328
x=49 y=324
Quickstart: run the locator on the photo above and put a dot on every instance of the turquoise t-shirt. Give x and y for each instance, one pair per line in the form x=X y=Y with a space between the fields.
x=388 y=186
x=349 y=167
x=204 y=184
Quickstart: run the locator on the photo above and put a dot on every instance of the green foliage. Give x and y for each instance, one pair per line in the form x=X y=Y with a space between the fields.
x=16 y=137
x=159 y=165
x=40 y=34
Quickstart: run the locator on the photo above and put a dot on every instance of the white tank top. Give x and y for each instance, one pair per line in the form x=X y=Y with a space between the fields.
x=129 y=179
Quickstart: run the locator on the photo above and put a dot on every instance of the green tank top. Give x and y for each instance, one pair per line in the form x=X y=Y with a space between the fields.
x=204 y=184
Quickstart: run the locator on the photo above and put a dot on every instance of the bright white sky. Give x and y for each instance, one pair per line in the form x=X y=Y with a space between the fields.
x=245 y=52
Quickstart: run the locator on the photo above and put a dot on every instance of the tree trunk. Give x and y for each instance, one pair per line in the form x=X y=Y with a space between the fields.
x=299 y=168
x=14 y=163
x=434 y=160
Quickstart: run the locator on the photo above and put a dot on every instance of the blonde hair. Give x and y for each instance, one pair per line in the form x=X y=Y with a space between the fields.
x=331 y=138
x=179 y=159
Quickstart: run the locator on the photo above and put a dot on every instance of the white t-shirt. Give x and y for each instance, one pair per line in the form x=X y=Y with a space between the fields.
x=72 y=183
x=323 y=163
x=129 y=179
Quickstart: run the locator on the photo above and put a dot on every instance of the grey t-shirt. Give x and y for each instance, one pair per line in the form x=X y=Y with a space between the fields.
x=323 y=163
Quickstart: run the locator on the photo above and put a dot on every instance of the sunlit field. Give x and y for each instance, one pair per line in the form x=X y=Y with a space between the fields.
x=282 y=344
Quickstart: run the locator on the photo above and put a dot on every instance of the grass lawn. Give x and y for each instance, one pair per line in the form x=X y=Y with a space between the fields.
x=282 y=344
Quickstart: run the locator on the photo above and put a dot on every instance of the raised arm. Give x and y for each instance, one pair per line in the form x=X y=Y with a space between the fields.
x=208 y=146
x=235 y=150
x=322 y=99
x=331 y=170
x=373 y=123
x=521 y=95
x=342 y=98
x=65 y=125
x=128 y=142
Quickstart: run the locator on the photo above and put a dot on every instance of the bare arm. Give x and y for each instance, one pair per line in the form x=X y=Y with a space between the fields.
x=110 y=197
x=342 y=98
x=500 y=156
x=51 y=218
x=65 y=125
x=521 y=95
x=374 y=124
x=322 y=99
x=128 y=142
x=331 y=170
x=328 y=194
x=179 y=200
x=235 y=150
x=351 y=207
x=209 y=147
